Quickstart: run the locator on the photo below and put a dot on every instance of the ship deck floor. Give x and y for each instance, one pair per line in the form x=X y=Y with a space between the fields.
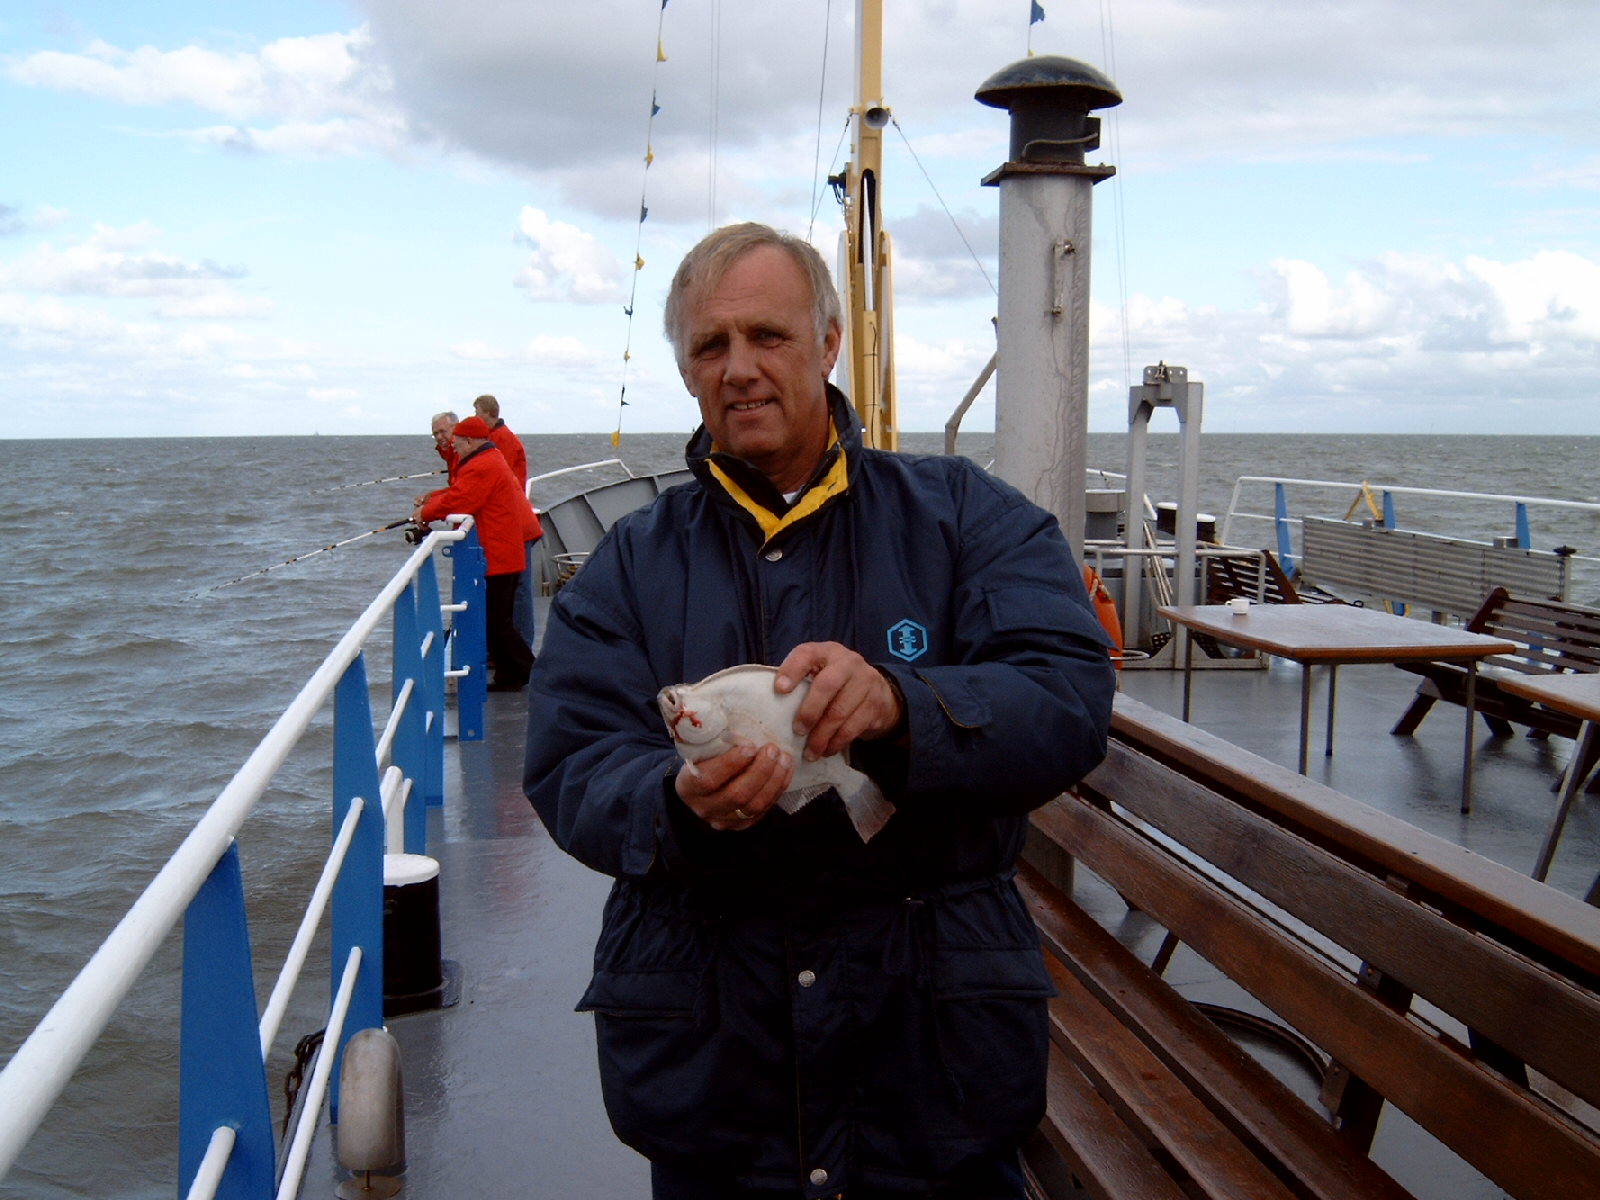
x=502 y=1091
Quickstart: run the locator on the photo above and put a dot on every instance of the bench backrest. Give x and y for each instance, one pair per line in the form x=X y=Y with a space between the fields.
x=1255 y=577
x=1428 y=973
x=1445 y=575
x=1554 y=637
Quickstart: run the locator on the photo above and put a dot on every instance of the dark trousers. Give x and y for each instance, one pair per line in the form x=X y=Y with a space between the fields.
x=510 y=654
x=997 y=1178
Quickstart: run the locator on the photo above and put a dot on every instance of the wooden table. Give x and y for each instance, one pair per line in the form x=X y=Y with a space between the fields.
x=1334 y=635
x=1577 y=693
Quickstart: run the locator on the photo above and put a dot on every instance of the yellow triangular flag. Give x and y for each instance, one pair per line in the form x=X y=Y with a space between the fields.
x=649 y=156
x=616 y=438
x=661 y=54
x=638 y=263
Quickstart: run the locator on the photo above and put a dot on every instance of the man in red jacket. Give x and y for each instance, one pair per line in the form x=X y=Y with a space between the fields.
x=483 y=486
x=509 y=444
x=443 y=425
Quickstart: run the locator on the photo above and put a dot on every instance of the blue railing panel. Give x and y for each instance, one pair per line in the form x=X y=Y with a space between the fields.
x=358 y=895
x=1280 y=504
x=221 y=1078
x=431 y=620
x=410 y=749
x=470 y=645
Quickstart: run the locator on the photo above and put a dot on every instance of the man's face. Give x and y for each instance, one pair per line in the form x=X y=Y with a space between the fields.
x=441 y=432
x=756 y=368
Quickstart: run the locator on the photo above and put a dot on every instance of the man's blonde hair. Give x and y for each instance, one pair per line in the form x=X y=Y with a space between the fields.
x=705 y=265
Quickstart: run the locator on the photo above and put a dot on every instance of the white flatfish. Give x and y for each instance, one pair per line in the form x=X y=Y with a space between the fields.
x=739 y=705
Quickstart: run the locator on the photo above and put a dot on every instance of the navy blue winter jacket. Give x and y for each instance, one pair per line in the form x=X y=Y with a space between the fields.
x=786 y=1003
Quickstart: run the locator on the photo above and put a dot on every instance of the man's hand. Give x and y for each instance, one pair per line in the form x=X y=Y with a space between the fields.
x=849 y=697
x=735 y=789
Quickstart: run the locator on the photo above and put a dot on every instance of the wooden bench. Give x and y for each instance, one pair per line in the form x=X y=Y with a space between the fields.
x=1552 y=636
x=1416 y=975
x=1259 y=578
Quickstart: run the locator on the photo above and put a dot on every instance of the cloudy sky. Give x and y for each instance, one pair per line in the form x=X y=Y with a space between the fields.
x=338 y=217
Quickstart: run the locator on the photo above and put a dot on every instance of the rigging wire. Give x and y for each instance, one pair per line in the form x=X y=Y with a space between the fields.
x=953 y=222
x=822 y=87
x=644 y=212
x=838 y=189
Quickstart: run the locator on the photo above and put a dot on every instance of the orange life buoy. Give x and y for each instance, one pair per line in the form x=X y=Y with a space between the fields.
x=1106 y=609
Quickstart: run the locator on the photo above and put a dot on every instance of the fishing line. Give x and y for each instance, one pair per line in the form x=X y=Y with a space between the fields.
x=387 y=479
x=302 y=557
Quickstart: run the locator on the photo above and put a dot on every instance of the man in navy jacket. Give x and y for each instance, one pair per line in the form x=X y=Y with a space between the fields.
x=782 y=1009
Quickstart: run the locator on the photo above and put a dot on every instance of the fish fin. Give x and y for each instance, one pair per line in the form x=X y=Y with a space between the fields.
x=793 y=802
x=868 y=809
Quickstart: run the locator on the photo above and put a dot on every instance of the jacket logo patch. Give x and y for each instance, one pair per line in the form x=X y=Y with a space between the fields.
x=908 y=640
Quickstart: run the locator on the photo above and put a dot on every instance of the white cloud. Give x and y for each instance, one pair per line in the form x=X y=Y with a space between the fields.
x=323 y=95
x=478 y=352
x=566 y=264
x=115 y=262
x=1403 y=333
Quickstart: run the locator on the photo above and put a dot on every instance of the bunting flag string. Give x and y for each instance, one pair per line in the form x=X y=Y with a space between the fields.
x=644 y=214
x=1035 y=15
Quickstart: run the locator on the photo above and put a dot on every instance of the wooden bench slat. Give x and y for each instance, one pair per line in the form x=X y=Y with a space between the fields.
x=1152 y=1101
x=1534 y=1151
x=1476 y=980
x=1247 y=1097
x=1093 y=1141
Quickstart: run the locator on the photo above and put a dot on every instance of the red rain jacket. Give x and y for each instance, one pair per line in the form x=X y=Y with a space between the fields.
x=510 y=445
x=484 y=487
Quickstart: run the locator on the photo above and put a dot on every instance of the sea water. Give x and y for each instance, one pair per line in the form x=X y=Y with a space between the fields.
x=166 y=599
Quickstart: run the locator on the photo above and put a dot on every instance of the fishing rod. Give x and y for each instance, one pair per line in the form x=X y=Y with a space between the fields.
x=389 y=479
x=309 y=554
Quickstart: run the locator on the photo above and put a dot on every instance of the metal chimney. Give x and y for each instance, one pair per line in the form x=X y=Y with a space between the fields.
x=1042 y=407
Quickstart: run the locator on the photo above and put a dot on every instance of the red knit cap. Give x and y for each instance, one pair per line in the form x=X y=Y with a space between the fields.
x=472 y=427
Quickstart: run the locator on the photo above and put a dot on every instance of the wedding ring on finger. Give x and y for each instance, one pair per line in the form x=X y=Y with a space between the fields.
x=742 y=815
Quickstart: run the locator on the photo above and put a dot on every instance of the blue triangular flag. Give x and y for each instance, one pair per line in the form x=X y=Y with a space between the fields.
x=1037 y=14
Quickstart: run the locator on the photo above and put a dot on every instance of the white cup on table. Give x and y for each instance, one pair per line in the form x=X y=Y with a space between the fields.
x=1239 y=606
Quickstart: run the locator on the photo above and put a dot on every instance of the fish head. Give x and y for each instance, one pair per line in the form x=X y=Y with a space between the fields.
x=693 y=718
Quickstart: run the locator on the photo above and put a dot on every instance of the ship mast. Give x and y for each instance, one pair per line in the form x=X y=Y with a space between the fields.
x=865 y=267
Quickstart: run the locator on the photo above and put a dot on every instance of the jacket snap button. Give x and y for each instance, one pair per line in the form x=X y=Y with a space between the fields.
x=807 y=978
x=819 y=1177
x=773 y=555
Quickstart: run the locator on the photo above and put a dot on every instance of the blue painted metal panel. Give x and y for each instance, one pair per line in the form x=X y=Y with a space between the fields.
x=1524 y=535
x=221 y=1079
x=358 y=894
x=430 y=619
x=469 y=647
x=1388 y=510
x=409 y=752
x=1280 y=505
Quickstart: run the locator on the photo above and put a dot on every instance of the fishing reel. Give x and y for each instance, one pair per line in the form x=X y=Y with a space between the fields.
x=416 y=534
